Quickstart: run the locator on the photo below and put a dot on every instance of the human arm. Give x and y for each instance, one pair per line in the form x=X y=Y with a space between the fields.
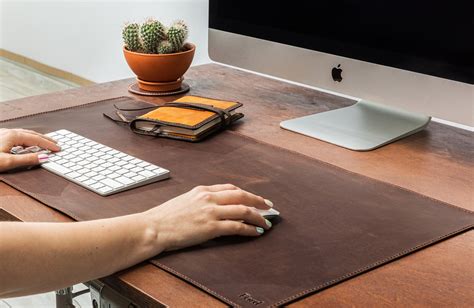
x=38 y=257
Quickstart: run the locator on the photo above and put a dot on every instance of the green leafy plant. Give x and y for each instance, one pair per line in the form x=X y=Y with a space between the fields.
x=153 y=37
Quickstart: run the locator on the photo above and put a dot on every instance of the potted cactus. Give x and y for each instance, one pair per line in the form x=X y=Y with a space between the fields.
x=158 y=55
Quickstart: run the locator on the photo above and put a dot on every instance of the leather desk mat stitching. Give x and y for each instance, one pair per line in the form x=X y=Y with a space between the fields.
x=161 y=261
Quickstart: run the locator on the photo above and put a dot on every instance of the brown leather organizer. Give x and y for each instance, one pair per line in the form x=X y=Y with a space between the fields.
x=334 y=224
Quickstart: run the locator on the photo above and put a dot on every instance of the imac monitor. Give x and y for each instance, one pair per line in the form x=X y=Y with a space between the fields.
x=403 y=60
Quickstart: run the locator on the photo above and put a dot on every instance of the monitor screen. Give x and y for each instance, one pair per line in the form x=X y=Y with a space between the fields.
x=428 y=37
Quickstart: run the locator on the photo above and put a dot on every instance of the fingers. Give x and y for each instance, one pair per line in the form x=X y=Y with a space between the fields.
x=29 y=139
x=9 y=161
x=36 y=133
x=242 y=213
x=230 y=227
x=217 y=187
x=239 y=196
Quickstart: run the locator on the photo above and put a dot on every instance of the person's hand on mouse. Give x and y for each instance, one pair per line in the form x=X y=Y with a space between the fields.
x=15 y=137
x=207 y=212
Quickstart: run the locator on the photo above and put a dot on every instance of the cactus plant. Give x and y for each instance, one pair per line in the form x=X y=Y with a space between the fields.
x=165 y=47
x=177 y=35
x=151 y=33
x=130 y=34
x=153 y=37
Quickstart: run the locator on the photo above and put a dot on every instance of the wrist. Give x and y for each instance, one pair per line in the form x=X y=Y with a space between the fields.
x=152 y=236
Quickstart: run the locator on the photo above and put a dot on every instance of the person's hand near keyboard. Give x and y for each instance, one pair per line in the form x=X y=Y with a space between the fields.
x=40 y=257
x=10 y=138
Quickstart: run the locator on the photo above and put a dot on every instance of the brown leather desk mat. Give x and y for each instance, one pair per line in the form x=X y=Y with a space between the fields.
x=335 y=224
x=6 y=216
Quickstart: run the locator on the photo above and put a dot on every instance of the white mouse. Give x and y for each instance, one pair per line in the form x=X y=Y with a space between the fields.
x=269 y=214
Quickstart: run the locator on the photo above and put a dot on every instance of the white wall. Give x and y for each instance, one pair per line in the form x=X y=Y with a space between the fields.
x=84 y=37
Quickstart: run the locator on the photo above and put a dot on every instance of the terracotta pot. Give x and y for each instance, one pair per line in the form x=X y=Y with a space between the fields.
x=160 y=86
x=160 y=68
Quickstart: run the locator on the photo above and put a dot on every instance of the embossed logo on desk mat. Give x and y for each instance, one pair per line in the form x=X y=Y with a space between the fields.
x=334 y=224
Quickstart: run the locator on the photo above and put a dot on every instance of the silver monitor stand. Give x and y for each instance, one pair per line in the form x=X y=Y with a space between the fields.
x=363 y=126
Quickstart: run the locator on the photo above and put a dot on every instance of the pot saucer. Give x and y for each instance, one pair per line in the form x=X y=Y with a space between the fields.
x=159 y=86
x=135 y=89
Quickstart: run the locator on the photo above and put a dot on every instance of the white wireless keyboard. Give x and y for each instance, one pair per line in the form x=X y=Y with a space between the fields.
x=97 y=167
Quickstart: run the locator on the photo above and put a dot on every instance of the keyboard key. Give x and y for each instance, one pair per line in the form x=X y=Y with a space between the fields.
x=147 y=173
x=124 y=180
x=100 y=161
x=61 y=161
x=113 y=175
x=56 y=167
x=137 y=169
x=99 y=177
x=107 y=165
x=105 y=189
x=73 y=175
x=151 y=168
x=138 y=178
x=114 y=168
x=111 y=183
x=143 y=164
x=97 y=185
x=89 y=182
x=90 y=166
x=82 y=178
x=106 y=172
x=54 y=158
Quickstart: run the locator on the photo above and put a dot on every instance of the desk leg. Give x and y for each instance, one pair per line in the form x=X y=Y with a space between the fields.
x=64 y=298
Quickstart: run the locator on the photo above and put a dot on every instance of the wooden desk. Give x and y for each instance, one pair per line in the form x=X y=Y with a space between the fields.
x=438 y=162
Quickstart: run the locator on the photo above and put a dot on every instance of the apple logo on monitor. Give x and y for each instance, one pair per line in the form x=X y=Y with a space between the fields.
x=337 y=73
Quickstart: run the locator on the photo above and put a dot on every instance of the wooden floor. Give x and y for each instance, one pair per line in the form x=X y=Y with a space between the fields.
x=17 y=81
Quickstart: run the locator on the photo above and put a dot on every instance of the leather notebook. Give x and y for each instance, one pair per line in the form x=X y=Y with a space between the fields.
x=190 y=118
x=334 y=224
